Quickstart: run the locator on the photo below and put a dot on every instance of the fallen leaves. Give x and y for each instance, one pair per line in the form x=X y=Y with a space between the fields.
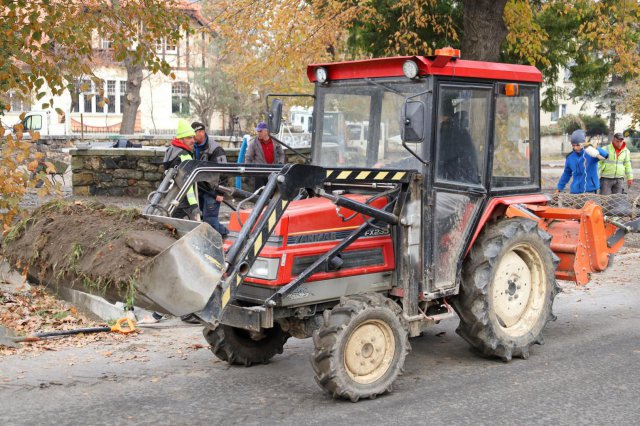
x=37 y=311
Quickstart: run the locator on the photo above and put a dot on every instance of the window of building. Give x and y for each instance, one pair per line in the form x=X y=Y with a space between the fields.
x=89 y=101
x=88 y=95
x=123 y=94
x=111 y=96
x=180 y=98
x=164 y=46
x=75 y=96
x=560 y=112
x=105 y=43
x=19 y=102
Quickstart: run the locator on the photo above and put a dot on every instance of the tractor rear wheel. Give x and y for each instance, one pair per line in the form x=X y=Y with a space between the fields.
x=507 y=290
x=238 y=346
x=361 y=348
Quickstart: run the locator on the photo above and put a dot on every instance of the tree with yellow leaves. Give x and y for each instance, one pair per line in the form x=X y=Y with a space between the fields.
x=46 y=44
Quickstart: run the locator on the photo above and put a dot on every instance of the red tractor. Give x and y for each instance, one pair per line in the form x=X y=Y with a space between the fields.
x=438 y=208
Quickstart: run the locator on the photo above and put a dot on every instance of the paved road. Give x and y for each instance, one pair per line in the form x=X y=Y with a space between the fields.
x=586 y=373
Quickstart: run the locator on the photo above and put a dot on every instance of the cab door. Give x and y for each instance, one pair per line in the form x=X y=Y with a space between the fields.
x=462 y=130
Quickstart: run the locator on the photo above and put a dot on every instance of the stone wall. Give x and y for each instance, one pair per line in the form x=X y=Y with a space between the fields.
x=133 y=172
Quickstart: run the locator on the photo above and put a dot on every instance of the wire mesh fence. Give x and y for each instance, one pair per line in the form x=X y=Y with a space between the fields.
x=618 y=205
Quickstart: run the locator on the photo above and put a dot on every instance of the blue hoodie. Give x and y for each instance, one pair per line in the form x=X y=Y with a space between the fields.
x=574 y=166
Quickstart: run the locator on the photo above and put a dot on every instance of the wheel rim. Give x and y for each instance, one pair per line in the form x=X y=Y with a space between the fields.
x=519 y=290
x=369 y=351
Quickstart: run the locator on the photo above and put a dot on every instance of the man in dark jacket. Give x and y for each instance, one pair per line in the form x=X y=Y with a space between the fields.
x=181 y=149
x=263 y=150
x=209 y=150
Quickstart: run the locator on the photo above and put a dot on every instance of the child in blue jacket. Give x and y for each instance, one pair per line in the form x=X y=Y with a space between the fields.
x=582 y=165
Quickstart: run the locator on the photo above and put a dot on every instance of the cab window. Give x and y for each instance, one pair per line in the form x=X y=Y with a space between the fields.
x=513 y=136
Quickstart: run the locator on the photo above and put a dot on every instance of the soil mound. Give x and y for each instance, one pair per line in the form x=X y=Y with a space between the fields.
x=86 y=246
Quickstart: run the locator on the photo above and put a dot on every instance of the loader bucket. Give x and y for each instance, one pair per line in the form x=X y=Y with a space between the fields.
x=181 y=279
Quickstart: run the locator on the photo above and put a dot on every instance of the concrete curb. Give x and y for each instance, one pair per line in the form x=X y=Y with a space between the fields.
x=11 y=277
x=98 y=306
x=12 y=281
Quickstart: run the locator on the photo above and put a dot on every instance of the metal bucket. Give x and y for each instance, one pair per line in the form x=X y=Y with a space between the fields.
x=182 y=278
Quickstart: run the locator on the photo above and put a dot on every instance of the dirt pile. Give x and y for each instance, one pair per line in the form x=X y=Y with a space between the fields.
x=86 y=246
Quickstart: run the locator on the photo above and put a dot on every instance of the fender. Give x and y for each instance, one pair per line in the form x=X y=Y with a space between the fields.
x=496 y=207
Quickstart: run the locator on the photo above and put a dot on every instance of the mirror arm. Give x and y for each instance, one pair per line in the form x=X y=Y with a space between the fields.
x=404 y=144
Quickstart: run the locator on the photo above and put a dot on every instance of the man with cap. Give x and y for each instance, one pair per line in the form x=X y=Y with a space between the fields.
x=263 y=150
x=209 y=150
x=181 y=149
x=581 y=165
x=616 y=168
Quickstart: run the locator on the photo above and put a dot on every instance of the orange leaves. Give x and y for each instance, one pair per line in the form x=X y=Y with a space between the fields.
x=525 y=38
x=267 y=45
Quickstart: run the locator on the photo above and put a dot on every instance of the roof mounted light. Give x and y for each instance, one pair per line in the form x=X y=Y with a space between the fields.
x=448 y=51
x=410 y=69
x=321 y=75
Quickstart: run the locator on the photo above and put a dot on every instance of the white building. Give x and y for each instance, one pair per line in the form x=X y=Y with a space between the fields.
x=568 y=106
x=164 y=100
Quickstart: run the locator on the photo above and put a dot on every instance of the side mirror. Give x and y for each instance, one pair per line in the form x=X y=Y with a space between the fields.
x=412 y=119
x=275 y=116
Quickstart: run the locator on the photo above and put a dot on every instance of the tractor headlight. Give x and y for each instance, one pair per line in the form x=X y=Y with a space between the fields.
x=410 y=69
x=321 y=75
x=264 y=268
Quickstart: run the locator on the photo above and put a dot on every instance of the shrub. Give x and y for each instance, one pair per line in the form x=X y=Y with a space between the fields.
x=570 y=123
x=594 y=125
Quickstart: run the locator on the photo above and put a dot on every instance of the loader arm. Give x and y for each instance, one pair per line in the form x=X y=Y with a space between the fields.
x=283 y=186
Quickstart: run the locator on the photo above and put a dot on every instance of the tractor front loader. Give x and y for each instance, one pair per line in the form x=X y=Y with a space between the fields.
x=434 y=210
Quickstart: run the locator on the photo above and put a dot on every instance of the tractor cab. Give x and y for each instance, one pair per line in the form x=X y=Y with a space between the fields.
x=465 y=126
x=467 y=129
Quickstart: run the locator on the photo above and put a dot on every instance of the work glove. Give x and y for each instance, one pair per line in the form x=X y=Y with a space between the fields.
x=194 y=213
x=629 y=182
x=591 y=151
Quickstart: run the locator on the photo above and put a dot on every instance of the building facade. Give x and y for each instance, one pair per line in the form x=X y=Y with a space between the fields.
x=163 y=99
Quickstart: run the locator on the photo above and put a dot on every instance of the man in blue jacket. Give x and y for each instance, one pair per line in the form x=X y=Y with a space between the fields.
x=582 y=165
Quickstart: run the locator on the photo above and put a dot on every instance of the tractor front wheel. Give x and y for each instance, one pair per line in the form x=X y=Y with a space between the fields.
x=238 y=346
x=361 y=348
x=507 y=290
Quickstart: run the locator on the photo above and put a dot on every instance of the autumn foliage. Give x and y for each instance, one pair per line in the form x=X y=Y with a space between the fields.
x=46 y=46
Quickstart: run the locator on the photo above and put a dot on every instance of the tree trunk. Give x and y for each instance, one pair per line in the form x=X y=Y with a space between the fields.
x=615 y=93
x=484 y=29
x=132 y=100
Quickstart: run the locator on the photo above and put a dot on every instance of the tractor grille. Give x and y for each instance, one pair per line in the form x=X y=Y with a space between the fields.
x=351 y=259
x=255 y=293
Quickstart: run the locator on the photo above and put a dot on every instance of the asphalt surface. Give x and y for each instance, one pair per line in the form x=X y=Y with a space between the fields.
x=586 y=373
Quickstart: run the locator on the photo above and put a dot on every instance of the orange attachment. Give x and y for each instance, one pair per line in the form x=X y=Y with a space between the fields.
x=579 y=238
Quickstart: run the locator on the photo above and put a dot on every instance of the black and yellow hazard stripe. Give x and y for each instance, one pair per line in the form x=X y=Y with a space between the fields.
x=367 y=176
x=253 y=245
